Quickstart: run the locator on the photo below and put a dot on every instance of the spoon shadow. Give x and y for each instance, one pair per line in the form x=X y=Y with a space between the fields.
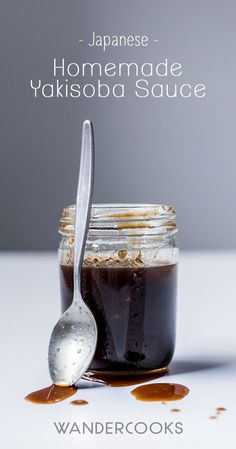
x=85 y=383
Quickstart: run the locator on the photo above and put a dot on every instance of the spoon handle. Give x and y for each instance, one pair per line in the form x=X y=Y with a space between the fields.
x=83 y=202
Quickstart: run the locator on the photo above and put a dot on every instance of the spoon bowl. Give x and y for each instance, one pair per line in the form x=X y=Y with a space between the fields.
x=72 y=345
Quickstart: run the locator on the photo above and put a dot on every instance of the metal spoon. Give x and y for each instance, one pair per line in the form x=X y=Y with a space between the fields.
x=74 y=337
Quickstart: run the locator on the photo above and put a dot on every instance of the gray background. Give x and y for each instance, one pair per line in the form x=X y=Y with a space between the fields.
x=180 y=152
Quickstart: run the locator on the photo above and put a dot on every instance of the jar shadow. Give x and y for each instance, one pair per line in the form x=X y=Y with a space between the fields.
x=195 y=365
x=177 y=367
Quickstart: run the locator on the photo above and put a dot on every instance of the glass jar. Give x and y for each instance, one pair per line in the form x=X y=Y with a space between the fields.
x=129 y=279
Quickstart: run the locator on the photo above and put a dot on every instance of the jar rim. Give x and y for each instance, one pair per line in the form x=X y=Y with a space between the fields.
x=123 y=218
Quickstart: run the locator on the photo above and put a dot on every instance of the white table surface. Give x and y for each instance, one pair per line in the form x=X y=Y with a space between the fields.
x=204 y=361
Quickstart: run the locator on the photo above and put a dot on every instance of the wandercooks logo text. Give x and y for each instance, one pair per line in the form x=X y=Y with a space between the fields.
x=118 y=428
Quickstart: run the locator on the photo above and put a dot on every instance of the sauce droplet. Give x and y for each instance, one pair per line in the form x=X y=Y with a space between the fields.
x=51 y=394
x=220 y=409
x=160 y=392
x=175 y=410
x=79 y=402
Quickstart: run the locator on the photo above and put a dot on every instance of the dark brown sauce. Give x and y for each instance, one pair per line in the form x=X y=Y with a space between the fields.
x=79 y=402
x=51 y=394
x=134 y=308
x=175 y=410
x=160 y=392
x=123 y=380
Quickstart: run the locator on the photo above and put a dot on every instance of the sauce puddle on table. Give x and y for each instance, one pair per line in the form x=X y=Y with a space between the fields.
x=150 y=392
x=51 y=394
x=124 y=380
x=54 y=393
x=160 y=392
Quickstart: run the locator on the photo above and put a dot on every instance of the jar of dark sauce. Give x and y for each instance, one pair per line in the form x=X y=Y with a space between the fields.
x=129 y=279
